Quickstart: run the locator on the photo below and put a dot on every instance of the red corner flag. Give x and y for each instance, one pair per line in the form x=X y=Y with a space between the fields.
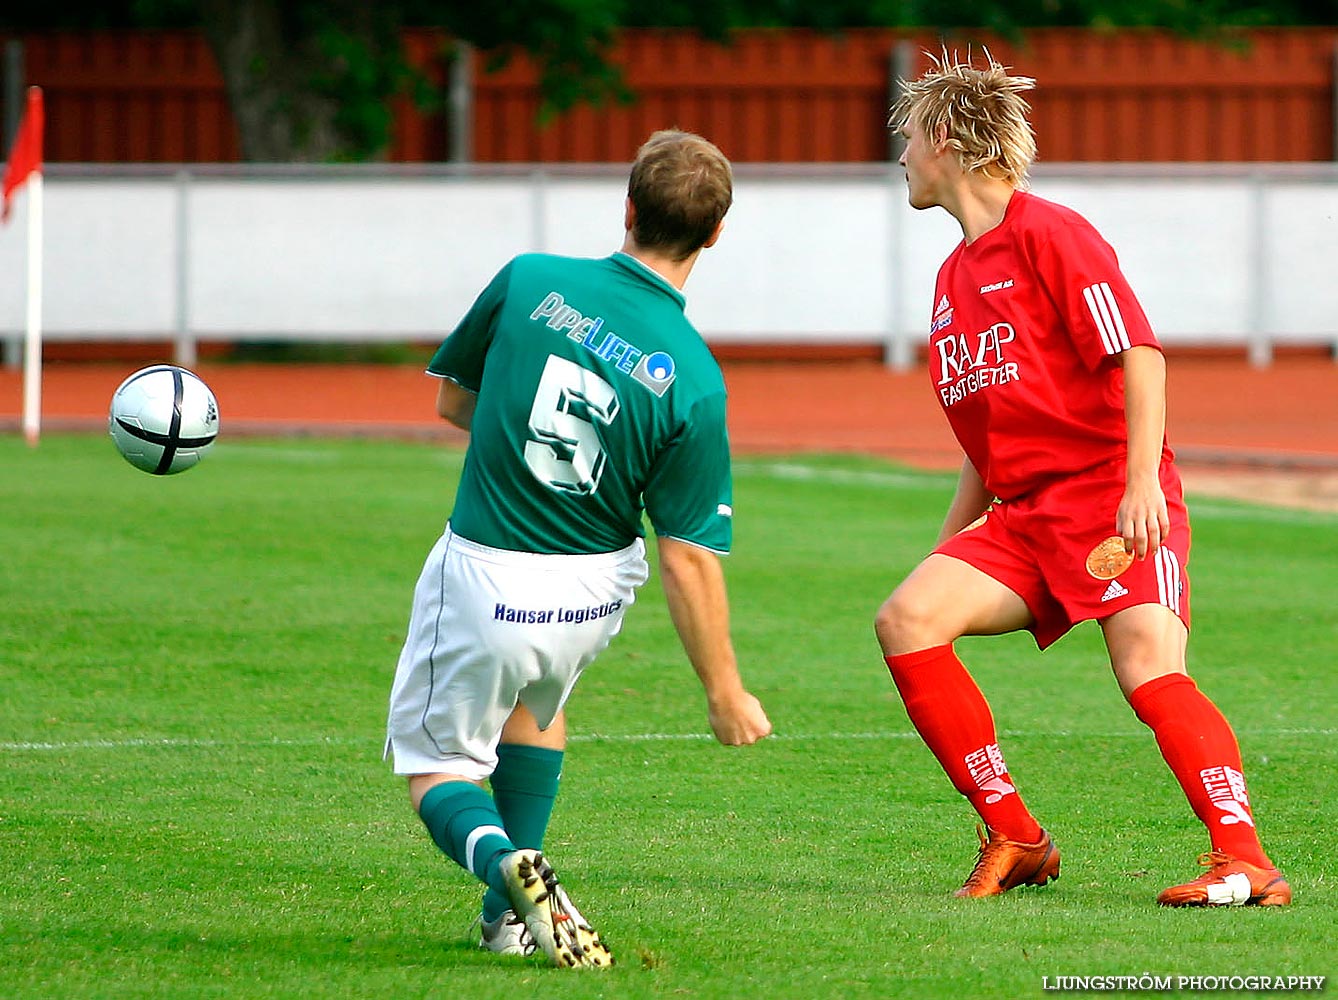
x=25 y=156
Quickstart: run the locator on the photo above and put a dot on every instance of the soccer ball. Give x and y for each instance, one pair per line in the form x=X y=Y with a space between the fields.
x=163 y=419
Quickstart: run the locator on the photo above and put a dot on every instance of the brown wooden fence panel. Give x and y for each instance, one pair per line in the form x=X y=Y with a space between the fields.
x=766 y=96
x=131 y=96
x=799 y=96
x=781 y=96
x=419 y=136
x=1154 y=96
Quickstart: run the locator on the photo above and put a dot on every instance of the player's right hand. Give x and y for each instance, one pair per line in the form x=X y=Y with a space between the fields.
x=1142 y=519
x=740 y=721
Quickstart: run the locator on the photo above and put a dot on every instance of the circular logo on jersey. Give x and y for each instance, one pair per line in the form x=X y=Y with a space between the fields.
x=1108 y=560
x=660 y=366
x=656 y=372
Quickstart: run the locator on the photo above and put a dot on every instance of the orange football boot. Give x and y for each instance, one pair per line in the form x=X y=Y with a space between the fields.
x=1229 y=882
x=1003 y=864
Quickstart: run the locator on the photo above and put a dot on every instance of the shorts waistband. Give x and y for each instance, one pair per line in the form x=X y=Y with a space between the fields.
x=540 y=560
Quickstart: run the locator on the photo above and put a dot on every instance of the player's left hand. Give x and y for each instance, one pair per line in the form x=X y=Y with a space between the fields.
x=738 y=720
x=1141 y=519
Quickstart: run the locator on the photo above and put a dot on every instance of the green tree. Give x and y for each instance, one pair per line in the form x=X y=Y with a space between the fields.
x=309 y=79
x=312 y=80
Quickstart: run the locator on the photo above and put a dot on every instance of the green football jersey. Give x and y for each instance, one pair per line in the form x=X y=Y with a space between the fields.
x=597 y=399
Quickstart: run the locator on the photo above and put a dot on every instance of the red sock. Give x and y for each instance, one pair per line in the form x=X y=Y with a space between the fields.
x=951 y=715
x=1201 y=749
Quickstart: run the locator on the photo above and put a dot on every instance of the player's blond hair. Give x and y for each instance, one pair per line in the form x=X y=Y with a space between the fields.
x=681 y=186
x=981 y=110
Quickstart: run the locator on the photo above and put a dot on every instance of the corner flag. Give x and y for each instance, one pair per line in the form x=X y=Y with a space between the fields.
x=25 y=156
x=25 y=166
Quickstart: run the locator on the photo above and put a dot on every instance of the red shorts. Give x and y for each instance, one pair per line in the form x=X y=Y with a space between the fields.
x=1046 y=547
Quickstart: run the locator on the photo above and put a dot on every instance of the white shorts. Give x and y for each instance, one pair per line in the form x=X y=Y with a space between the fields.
x=489 y=628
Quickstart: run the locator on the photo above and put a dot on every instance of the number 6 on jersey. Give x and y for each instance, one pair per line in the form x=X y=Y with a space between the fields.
x=564 y=451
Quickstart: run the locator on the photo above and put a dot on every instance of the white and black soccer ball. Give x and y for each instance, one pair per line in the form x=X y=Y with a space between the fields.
x=163 y=419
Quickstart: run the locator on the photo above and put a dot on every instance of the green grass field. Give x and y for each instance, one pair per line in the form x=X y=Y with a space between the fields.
x=193 y=801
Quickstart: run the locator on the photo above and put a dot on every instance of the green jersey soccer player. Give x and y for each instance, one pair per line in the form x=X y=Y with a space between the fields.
x=592 y=391
x=590 y=399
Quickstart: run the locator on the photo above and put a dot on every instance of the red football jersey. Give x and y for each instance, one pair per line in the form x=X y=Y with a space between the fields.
x=1027 y=323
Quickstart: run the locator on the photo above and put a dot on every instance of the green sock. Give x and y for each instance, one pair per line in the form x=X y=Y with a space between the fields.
x=524 y=786
x=464 y=822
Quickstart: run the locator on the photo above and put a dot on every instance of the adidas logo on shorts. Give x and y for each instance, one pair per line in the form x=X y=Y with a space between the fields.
x=1116 y=589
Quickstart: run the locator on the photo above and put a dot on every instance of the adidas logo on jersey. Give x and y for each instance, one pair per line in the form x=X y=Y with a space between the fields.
x=942 y=316
x=1116 y=589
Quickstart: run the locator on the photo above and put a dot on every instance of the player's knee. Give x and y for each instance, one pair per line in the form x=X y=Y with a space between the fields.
x=901 y=622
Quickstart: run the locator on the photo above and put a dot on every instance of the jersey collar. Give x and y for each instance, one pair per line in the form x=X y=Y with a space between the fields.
x=630 y=263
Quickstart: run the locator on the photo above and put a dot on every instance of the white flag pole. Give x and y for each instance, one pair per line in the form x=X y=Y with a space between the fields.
x=32 y=342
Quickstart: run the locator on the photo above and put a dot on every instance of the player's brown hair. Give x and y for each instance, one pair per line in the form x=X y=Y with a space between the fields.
x=681 y=187
x=981 y=109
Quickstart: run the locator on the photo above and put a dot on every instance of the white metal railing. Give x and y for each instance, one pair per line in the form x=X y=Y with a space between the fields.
x=1232 y=254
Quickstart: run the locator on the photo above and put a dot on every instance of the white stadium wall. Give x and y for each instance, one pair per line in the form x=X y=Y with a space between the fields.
x=1239 y=256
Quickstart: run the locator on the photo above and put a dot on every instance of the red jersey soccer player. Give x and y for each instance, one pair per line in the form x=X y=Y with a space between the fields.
x=1068 y=507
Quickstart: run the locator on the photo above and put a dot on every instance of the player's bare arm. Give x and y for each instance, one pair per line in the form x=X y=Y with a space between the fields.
x=1142 y=518
x=455 y=404
x=694 y=589
x=968 y=502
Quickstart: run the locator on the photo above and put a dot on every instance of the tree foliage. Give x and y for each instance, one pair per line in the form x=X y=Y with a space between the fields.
x=312 y=79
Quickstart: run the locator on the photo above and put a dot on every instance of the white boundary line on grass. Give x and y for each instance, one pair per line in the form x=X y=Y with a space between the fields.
x=1246 y=510
x=844 y=477
x=797 y=471
x=136 y=743
x=1258 y=511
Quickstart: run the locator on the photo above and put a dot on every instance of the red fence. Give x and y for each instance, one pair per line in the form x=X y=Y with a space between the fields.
x=769 y=96
x=118 y=97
